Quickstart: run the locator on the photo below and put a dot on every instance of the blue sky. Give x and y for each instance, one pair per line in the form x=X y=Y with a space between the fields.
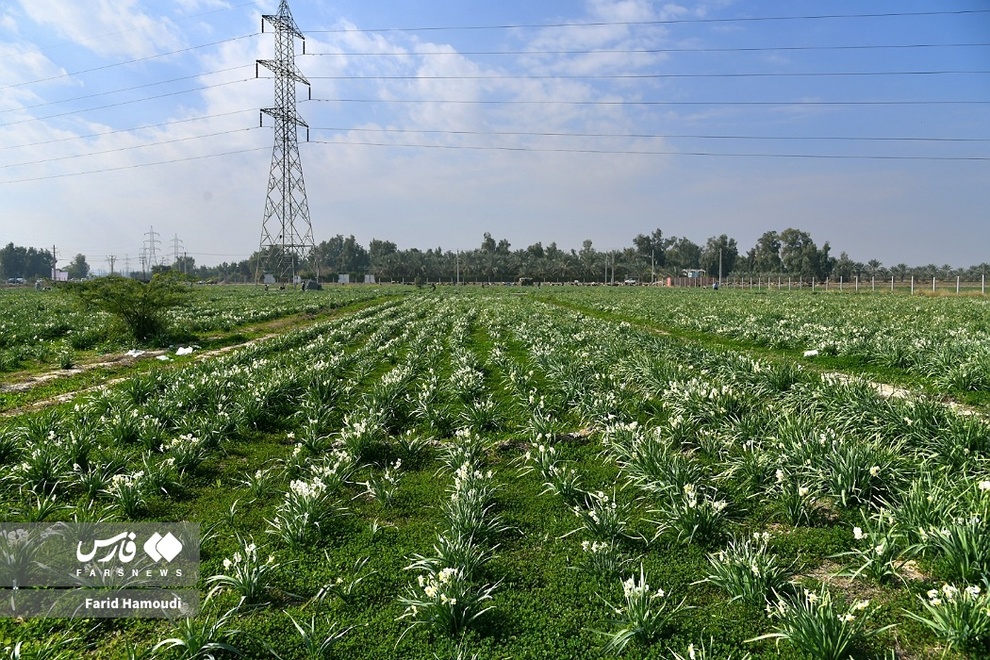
x=697 y=117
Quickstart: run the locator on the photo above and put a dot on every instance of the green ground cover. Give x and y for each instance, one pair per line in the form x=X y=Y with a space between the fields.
x=943 y=342
x=44 y=329
x=478 y=473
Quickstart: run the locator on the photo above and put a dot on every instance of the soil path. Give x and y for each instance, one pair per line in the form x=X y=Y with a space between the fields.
x=116 y=361
x=126 y=359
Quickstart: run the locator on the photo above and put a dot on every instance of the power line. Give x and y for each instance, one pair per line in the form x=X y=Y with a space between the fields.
x=628 y=136
x=660 y=135
x=651 y=51
x=625 y=152
x=630 y=76
x=141 y=27
x=133 y=61
x=657 y=103
x=131 y=102
x=132 y=167
x=484 y=77
x=646 y=51
x=123 y=89
x=129 y=148
x=648 y=76
x=617 y=152
x=669 y=21
x=127 y=130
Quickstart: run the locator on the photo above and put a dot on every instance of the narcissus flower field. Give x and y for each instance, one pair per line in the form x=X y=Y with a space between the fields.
x=541 y=473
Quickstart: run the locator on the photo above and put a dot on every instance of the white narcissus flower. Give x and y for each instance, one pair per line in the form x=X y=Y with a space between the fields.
x=859 y=534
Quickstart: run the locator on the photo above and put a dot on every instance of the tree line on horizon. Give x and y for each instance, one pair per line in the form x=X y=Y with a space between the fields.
x=791 y=253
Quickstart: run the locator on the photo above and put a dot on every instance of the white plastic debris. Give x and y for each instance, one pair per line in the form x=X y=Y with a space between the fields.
x=812 y=353
x=184 y=350
x=134 y=353
x=163 y=358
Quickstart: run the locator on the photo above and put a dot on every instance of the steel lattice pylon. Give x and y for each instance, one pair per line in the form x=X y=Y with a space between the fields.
x=286 y=231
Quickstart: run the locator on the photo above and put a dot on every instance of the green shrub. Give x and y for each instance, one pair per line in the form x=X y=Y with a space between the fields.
x=142 y=308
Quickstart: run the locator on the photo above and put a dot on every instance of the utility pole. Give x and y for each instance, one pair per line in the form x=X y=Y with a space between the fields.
x=286 y=230
x=54 y=261
x=112 y=259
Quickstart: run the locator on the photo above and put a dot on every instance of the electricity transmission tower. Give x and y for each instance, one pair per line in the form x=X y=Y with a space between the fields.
x=175 y=249
x=286 y=231
x=151 y=249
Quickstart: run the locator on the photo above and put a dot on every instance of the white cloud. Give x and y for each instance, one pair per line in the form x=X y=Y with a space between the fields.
x=22 y=63
x=421 y=196
x=191 y=6
x=8 y=22
x=106 y=27
x=628 y=10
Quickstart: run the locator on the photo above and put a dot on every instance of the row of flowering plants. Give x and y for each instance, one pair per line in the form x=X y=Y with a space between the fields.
x=821 y=451
x=492 y=474
x=943 y=340
x=52 y=329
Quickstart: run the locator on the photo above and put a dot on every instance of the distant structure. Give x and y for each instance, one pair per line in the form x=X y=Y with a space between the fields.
x=149 y=251
x=286 y=231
